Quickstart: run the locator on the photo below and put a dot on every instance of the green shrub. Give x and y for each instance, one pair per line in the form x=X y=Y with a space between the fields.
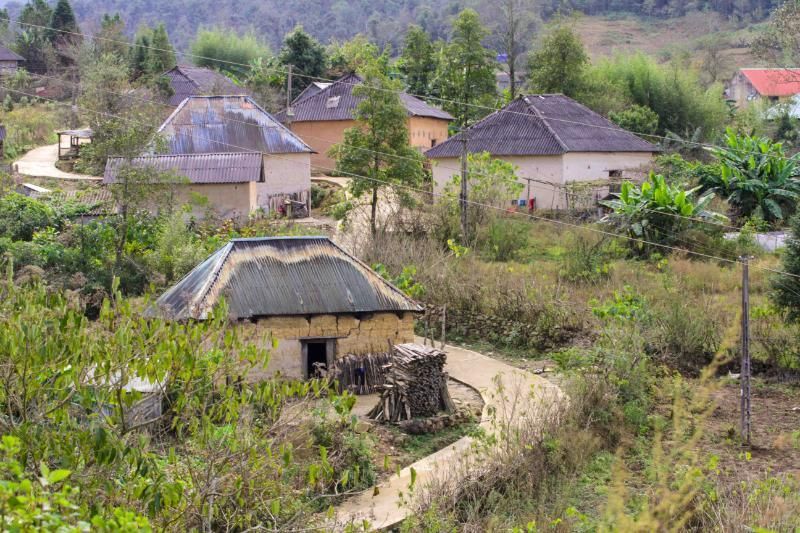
x=21 y=216
x=585 y=260
x=503 y=238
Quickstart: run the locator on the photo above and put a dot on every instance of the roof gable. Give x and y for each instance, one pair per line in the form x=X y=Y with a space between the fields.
x=336 y=101
x=773 y=81
x=275 y=276
x=189 y=81
x=212 y=124
x=9 y=55
x=540 y=125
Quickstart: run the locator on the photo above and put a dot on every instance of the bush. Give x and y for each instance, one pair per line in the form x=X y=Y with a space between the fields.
x=585 y=260
x=21 y=216
x=503 y=238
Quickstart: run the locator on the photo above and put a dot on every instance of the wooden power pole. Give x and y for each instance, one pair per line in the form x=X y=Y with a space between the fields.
x=463 y=195
x=289 y=110
x=744 y=377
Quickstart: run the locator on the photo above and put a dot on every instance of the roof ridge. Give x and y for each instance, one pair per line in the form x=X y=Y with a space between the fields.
x=212 y=280
x=550 y=129
x=329 y=87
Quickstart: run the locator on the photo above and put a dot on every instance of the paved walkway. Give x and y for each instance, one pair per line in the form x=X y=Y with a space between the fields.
x=41 y=163
x=382 y=508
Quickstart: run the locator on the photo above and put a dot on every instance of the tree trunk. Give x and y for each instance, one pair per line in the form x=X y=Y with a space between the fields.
x=373 y=223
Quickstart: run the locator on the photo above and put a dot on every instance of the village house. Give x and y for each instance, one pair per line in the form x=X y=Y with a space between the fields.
x=763 y=84
x=317 y=301
x=322 y=112
x=554 y=142
x=232 y=152
x=188 y=80
x=9 y=61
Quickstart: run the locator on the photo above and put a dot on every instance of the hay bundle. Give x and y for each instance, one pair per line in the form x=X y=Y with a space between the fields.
x=415 y=385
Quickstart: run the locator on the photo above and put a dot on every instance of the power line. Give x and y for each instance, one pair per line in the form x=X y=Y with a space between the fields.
x=395 y=91
x=470 y=202
x=542 y=184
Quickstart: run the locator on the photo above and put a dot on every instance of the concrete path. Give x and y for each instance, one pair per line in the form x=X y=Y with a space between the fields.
x=41 y=163
x=493 y=379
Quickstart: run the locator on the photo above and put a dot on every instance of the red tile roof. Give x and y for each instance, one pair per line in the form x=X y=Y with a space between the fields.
x=774 y=81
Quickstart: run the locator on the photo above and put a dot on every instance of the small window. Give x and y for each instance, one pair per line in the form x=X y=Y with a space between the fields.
x=614 y=173
x=332 y=102
x=433 y=143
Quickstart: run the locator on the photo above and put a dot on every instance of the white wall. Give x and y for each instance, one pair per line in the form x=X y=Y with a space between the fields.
x=284 y=174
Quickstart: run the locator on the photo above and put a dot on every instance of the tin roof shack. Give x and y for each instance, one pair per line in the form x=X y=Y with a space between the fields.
x=9 y=61
x=315 y=299
x=555 y=143
x=70 y=141
x=322 y=112
x=188 y=80
x=231 y=151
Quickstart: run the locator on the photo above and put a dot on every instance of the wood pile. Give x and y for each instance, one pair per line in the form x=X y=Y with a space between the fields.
x=360 y=374
x=415 y=385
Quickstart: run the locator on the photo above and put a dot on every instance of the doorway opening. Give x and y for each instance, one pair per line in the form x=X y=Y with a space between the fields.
x=317 y=357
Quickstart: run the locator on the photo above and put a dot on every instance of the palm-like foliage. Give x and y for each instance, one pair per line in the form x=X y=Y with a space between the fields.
x=756 y=177
x=657 y=212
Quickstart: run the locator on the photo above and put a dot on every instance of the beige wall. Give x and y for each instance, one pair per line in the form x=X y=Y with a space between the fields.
x=228 y=200
x=354 y=335
x=557 y=169
x=423 y=131
x=322 y=135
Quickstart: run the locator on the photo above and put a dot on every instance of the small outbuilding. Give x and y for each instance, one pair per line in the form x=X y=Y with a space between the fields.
x=316 y=300
x=70 y=142
x=9 y=61
x=772 y=85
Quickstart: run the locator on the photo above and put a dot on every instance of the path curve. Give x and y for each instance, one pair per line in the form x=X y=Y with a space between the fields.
x=41 y=163
x=487 y=375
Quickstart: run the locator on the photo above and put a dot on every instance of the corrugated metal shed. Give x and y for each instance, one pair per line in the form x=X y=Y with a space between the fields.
x=546 y=124
x=213 y=124
x=8 y=55
x=276 y=276
x=337 y=102
x=197 y=168
x=187 y=80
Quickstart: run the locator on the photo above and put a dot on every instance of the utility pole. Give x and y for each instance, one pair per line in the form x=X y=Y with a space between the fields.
x=463 y=195
x=744 y=377
x=289 y=110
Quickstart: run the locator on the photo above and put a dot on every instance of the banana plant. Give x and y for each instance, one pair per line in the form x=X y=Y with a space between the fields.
x=756 y=177
x=657 y=212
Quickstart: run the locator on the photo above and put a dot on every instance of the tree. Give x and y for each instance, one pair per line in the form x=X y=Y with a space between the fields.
x=63 y=26
x=779 y=42
x=31 y=41
x=786 y=289
x=466 y=77
x=516 y=21
x=111 y=38
x=558 y=64
x=376 y=152
x=353 y=55
x=657 y=212
x=417 y=61
x=637 y=119
x=307 y=57
x=757 y=177
x=161 y=54
x=225 y=51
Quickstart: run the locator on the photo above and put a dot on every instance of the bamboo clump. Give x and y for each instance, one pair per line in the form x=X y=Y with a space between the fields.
x=415 y=385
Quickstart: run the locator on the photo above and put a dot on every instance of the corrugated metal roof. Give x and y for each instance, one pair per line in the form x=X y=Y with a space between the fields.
x=238 y=167
x=187 y=80
x=212 y=124
x=9 y=55
x=2 y=132
x=337 y=102
x=85 y=133
x=275 y=276
x=313 y=88
x=546 y=124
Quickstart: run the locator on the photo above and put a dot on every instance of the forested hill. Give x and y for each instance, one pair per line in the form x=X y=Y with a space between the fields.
x=384 y=21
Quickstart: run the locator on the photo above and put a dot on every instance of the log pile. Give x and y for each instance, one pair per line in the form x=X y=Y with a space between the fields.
x=360 y=374
x=415 y=385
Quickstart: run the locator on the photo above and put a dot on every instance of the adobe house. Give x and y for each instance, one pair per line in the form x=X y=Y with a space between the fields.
x=9 y=61
x=322 y=112
x=553 y=141
x=188 y=80
x=315 y=299
x=231 y=151
x=759 y=84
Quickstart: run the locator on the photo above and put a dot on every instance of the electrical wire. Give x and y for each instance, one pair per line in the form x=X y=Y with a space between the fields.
x=469 y=202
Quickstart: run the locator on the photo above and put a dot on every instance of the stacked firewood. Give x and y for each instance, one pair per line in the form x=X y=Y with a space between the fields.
x=360 y=374
x=415 y=385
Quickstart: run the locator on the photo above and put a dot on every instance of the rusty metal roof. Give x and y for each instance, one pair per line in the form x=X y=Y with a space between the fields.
x=188 y=80
x=337 y=102
x=197 y=168
x=276 y=276
x=543 y=124
x=212 y=124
